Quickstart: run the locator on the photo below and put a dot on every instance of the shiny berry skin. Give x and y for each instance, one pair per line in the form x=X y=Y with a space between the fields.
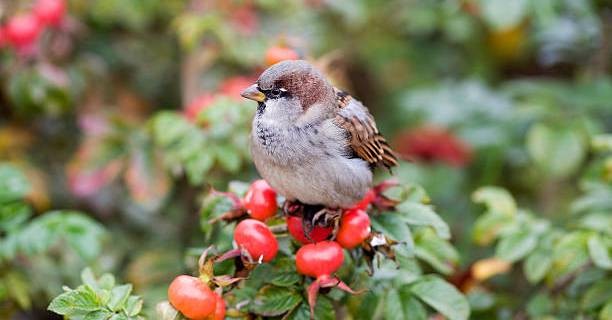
x=319 y=259
x=367 y=199
x=22 y=30
x=277 y=54
x=192 y=297
x=255 y=237
x=50 y=12
x=260 y=200
x=354 y=228
x=296 y=229
x=219 y=310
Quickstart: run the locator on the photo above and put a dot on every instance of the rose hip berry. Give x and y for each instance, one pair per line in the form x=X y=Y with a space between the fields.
x=354 y=228
x=260 y=200
x=296 y=229
x=255 y=238
x=277 y=54
x=50 y=12
x=192 y=297
x=320 y=260
x=219 y=310
x=22 y=30
x=367 y=199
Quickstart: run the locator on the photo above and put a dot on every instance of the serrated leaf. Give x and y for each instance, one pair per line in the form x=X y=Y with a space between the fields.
x=99 y=315
x=133 y=306
x=598 y=294
x=437 y=252
x=119 y=296
x=537 y=264
x=557 y=151
x=83 y=299
x=285 y=279
x=403 y=305
x=443 y=297
x=496 y=200
x=516 y=245
x=88 y=279
x=323 y=310
x=599 y=252
x=273 y=301
x=422 y=215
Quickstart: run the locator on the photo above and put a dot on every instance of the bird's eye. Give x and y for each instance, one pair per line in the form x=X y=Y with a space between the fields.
x=275 y=93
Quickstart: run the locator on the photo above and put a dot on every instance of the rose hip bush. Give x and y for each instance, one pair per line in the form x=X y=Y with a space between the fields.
x=123 y=141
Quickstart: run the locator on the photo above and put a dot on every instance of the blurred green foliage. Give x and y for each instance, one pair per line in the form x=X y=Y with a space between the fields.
x=110 y=120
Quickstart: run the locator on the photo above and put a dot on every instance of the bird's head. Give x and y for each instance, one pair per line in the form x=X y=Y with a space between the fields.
x=289 y=88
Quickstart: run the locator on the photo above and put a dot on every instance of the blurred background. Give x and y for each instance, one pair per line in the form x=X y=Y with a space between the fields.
x=129 y=112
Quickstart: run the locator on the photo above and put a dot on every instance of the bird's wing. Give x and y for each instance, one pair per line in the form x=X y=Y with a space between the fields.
x=365 y=140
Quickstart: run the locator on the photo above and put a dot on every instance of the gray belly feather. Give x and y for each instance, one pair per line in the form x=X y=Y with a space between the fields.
x=309 y=164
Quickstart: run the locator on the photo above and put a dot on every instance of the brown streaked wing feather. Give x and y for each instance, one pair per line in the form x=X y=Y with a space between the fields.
x=365 y=139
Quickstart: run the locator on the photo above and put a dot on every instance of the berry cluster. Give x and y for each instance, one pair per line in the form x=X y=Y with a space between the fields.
x=320 y=255
x=21 y=31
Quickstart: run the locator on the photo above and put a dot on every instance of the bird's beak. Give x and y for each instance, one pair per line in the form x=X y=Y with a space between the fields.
x=253 y=93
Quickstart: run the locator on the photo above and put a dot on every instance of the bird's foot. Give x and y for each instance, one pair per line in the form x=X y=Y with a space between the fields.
x=328 y=217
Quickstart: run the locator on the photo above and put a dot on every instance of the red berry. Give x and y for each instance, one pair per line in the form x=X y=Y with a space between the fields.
x=277 y=54
x=296 y=229
x=197 y=105
x=50 y=12
x=22 y=30
x=192 y=297
x=219 y=310
x=354 y=228
x=367 y=199
x=256 y=238
x=260 y=200
x=319 y=259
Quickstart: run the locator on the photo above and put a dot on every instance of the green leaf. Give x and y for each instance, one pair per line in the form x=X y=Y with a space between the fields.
x=133 y=306
x=516 y=246
x=443 y=297
x=285 y=279
x=18 y=289
x=119 y=296
x=83 y=299
x=537 y=264
x=228 y=157
x=13 y=215
x=323 y=310
x=403 y=305
x=273 y=301
x=13 y=183
x=597 y=295
x=98 y=315
x=480 y=299
x=569 y=254
x=557 y=151
x=422 y=215
x=599 y=252
x=437 y=252
x=606 y=311
x=496 y=200
x=488 y=227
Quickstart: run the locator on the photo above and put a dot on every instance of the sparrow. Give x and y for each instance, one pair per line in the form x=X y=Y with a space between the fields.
x=313 y=143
